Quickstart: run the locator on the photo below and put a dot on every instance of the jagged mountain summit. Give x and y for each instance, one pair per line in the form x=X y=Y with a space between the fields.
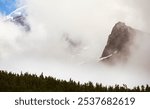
x=19 y=18
x=118 y=44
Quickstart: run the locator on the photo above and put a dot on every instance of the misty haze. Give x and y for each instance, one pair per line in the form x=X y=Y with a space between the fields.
x=102 y=41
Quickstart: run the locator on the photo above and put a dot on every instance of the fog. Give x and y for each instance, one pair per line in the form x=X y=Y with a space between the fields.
x=67 y=38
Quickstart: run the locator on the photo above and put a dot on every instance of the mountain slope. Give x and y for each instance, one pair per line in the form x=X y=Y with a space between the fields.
x=10 y=82
x=19 y=18
x=118 y=44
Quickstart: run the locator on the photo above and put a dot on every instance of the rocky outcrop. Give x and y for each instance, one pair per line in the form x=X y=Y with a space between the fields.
x=118 y=44
x=19 y=17
x=21 y=21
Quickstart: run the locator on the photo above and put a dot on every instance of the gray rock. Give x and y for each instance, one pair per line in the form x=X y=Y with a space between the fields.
x=118 y=44
x=18 y=17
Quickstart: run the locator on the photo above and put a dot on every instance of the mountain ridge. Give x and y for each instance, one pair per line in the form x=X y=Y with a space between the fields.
x=118 y=43
x=19 y=17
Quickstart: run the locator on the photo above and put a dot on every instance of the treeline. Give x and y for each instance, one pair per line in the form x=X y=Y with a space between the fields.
x=10 y=82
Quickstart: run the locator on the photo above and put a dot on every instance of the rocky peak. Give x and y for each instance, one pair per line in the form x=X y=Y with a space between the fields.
x=19 y=18
x=118 y=44
x=120 y=25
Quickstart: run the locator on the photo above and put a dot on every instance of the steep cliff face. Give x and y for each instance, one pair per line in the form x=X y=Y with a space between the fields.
x=118 y=44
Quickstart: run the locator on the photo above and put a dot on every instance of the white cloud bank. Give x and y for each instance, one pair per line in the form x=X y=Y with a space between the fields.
x=67 y=38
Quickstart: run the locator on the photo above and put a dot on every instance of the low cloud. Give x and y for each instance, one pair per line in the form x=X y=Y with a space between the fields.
x=56 y=27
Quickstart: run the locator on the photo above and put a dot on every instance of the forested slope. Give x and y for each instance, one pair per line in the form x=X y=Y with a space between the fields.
x=11 y=82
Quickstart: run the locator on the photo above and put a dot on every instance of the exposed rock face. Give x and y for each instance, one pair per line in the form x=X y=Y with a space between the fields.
x=118 y=44
x=19 y=18
x=21 y=21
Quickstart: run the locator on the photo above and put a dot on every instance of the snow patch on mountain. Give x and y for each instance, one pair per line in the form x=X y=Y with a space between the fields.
x=18 y=17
